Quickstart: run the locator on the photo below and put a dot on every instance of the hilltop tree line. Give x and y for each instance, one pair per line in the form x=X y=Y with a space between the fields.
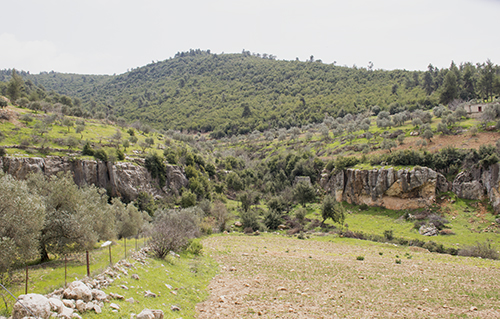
x=230 y=94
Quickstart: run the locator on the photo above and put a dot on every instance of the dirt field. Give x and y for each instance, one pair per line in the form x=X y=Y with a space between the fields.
x=276 y=277
x=459 y=141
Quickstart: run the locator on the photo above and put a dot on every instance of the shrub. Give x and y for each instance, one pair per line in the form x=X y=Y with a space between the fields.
x=272 y=219
x=188 y=199
x=249 y=220
x=120 y=155
x=388 y=234
x=483 y=250
x=101 y=154
x=343 y=162
x=195 y=247
x=172 y=230
x=300 y=214
x=87 y=150
x=154 y=164
x=360 y=258
x=2 y=152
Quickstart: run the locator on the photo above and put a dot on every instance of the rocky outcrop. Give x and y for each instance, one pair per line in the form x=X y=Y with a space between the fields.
x=123 y=179
x=389 y=188
x=479 y=183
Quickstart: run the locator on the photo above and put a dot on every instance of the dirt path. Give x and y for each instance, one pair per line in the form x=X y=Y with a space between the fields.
x=276 y=277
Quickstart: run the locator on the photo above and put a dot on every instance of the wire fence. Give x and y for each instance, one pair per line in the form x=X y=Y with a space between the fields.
x=43 y=278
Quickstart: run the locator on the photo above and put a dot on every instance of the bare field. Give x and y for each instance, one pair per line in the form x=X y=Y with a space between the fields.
x=273 y=276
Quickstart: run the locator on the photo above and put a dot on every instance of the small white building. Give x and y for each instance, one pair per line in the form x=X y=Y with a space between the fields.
x=475 y=110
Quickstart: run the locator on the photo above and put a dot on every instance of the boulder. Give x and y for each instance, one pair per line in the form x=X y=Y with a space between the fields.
x=79 y=291
x=428 y=230
x=38 y=305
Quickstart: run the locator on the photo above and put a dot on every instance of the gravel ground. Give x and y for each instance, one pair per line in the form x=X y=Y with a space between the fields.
x=274 y=276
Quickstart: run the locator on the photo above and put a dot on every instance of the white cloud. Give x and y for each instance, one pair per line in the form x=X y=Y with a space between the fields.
x=33 y=56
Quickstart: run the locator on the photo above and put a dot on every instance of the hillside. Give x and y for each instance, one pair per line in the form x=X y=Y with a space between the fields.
x=238 y=93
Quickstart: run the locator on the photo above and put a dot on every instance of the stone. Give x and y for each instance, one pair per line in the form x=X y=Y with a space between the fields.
x=428 y=230
x=56 y=304
x=99 y=295
x=39 y=305
x=69 y=303
x=66 y=313
x=114 y=306
x=146 y=314
x=116 y=296
x=131 y=300
x=148 y=293
x=89 y=306
x=97 y=309
x=75 y=315
x=80 y=306
x=238 y=224
x=175 y=308
x=79 y=291
x=150 y=314
x=135 y=276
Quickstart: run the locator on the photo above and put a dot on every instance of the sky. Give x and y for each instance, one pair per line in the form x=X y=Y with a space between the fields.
x=113 y=36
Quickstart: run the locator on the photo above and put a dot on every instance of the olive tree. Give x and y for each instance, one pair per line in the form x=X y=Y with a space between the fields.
x=332 y=209
x=75 y=218
x=21 y=220
x=304 y=193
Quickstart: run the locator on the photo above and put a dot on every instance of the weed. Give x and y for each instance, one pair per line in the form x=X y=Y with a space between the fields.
x=483 y=250
x=388 y=234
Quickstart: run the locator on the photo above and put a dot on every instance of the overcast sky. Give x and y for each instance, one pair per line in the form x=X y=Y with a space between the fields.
x=112 y=36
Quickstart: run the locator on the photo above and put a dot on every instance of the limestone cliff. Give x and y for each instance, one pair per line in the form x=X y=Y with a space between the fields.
x=123 y=179
x=479 y=183
x=389 y=188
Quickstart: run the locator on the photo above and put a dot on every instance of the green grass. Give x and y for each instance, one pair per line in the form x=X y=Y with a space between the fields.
x=467 y=227
x=189 y=276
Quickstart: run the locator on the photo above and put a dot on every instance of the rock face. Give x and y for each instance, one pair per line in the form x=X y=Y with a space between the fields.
x=389 y=188
x=123 y=179
x=479 y=183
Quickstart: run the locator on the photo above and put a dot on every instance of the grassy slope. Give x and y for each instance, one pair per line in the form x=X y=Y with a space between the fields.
x=96 y=131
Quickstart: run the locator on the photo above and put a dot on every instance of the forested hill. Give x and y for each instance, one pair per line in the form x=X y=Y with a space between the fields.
x=238 y=93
